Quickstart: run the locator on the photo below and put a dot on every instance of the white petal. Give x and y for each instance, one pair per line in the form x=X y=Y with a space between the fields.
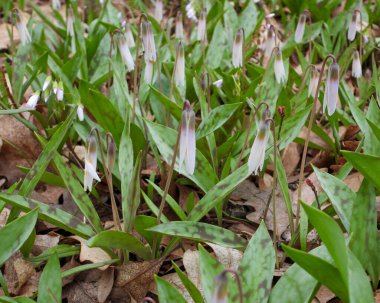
x=32 y=102
x=91 y=171
x=333 y=97
x=191 y=144
x=183 y=139
x=80 y=113
x=300 y=30
x=356 y=68
x=148 y=74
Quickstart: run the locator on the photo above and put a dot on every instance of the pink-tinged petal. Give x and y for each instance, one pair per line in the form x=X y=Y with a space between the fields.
x=333 y=97
x=148 y=74
x=352 y=27
x=257 y=155
x=183 y=139
x=300 y=30
x=191 y=143
x=90 y=169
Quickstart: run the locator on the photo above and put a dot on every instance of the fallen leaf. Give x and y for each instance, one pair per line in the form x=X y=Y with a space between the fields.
x=229 y=257
x=105 y=284
x=44 y=242
x=290 y=158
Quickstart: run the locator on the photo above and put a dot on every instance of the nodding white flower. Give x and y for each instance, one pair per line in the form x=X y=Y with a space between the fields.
x=257 y=155
x=218 y=83
x=101 y=2
x=58 y=90
x=179 y=66
x=90 y=161
x=187 y=145
x=202 y=34
x=300 y=30
x=237 y=50
x=270 y=42
x=279 y=70
x=313 y=84
x=80 y=112
x=220 y=292
x=148 y=74
x=158 y=10
x=128 y=34
x=179 y=26
x=331 y=90
x=70 y=22
x=125 y=53
x=33 y=99
x=46 y=83
x=352 y=26
x=22 y=29
x=356 y=65
x=190 y=12
x=56 y=4
x=148 y=42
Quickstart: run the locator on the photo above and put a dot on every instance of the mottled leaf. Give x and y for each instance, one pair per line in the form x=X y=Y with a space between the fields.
x=217 y=47
x=50 y=284
x=167 y=292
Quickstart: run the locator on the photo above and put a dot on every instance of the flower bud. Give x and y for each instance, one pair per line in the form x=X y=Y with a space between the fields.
x=158 y=10
x=111 y=154
x=331 y=89
x=237 y=50
x=356 y=65
x=202 y=34
x=187 y=144
x=279 y=70
x=46 y=83
x=90 y=161
x=80 y=112
x=300 y=30
x=70 y=22
x=179 y=26
x=179 y=66
x=128 y=34
x=270 y=42
x=125 y=52
x=33 y=99
x=352 y=26
x=313 y=84
x=148 y=42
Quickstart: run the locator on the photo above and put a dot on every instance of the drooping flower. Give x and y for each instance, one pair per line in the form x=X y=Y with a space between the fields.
x=46 y=83
x=279 y=70
x=58 y=90
x=190 y=12
x=70 y=22
x=56 y=4
x=148 y=73
x=125 y=53
x=80 y=112
x=128 y=33
x=331 y=90
x=218 y=83
x=179 y=66
x=187 y=145
x=352 y=26
x=158 y=10
x=313 y=84
x=32 y=101
x=270 y=42
x=300 y=30
x=90 y=161
x=179 y=26
x=22 y=29
x=237 y=50
x=148 y=42
x=220 y=292
x=257 y=155
x=202 y=34
x=356 y=65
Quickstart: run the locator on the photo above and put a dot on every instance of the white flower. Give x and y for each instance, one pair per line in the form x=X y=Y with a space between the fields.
x=202 y=34
x=22 y=29
x=179 y=66
x=220 y=292
x=46 y=83
x=190 y=12
x=80 y=112
x=237 y=50
x=90 y=161
x=158 y=10
x=70 y=22
x=279 y=70
x=257 y=155
x=179 y=26
x=148 y=42
x=32 y=102
x=58 y=90
x=313 y=82
x=187 y=145
x=56 y=4
x=331 y=90
x=356 y=65
x=125 y=53
x=270 y=42
x=300 y=30
x=148 y=74
x=218 y=83
x=128 y=34
x=352 y=26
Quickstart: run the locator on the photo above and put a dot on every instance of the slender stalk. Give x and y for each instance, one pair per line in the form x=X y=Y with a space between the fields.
x=246 y=140
x=136 y=69
x=208 y=96
x=311 y=119
x=159 y=72
x=238 y=282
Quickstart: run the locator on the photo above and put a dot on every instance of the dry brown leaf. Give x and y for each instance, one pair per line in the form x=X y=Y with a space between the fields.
x=324 y=295
x=354 y=181
x=307 y=195
x=4 y=216
x=105 y=284
x=177 y=283
x=290 y=158
x=44 y=242
x=229 y=257
x=5 y=41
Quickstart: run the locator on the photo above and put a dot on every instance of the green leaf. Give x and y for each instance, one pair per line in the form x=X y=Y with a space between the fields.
x=113 y=239
x=167 y=292
x=16 y=300
x=78 y=269
x=216 y=118
x=201 y=232
x=217 y=47
x=50 y=214
x=249 y=18
x=332 y=237
x=14 y=234
x=61 y=250
x=173 y=107
x=14 y=111
x=165 y=139
x=50 y=284
x=340 y=195
x=324 y=272
x=257 y=267
x=367 y=165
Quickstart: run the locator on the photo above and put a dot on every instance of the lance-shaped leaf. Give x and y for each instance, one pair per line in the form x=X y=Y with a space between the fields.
x=50 y=284
x=257 y=267
x=14 y=111
x=167 y=292
x=114 y=239
x=216 y=118
x=173 y=108
x=340 y=195
x=78 y=269
x=14 y=234
x=50 y=214
x=201 y=232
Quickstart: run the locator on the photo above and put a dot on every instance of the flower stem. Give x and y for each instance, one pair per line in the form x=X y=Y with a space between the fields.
x=238 y=282
x=136 y=69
